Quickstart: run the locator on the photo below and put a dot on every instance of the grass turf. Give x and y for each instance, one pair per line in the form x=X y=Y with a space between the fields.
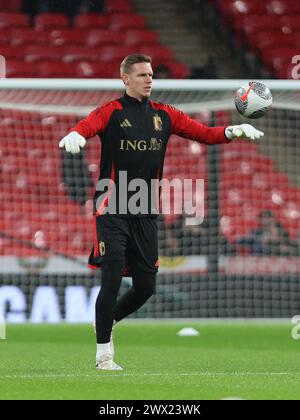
x=245 y=360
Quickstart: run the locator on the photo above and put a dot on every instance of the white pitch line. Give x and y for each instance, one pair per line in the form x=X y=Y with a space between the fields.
x=120 y=374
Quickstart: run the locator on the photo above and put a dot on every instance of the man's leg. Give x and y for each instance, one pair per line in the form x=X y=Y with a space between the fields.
x=142 y=258
x=110 y=242
x=107 y=300
x=143 y=287
x=105 y=308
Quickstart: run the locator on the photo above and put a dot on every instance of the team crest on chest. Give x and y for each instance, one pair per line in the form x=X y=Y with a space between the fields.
x=157 y=122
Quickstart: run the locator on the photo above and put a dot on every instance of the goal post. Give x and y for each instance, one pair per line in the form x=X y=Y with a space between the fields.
x=242 y=261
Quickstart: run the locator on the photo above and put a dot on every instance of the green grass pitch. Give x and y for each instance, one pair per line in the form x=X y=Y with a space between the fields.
x=228 y=359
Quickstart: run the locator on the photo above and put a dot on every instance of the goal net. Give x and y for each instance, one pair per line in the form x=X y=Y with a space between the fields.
x=242 y=260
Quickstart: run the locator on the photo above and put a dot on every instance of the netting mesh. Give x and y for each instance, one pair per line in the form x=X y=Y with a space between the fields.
x=243 y=260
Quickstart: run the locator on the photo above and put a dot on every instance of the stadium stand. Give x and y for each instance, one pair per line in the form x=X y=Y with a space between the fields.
x=25 y=36
x=117 y=6
x=50 y=21
x=68 y=37
x=48 y=68
x=250 y=182
x=17 y=68
x=91 y=21
x=13 y=20
x=11 y=6
x=247 y=185
x=269 y=29
x=102 y=37
x=137 y=37
x=89 y=39
x=38 y=174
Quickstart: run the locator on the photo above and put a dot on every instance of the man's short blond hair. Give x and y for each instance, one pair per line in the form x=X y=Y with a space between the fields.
x=132 y=59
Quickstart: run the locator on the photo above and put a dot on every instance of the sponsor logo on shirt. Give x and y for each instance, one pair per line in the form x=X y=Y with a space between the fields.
x=141 y=145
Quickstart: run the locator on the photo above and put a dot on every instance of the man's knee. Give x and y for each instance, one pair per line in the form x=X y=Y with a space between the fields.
x=145 y=285
x=150 y=287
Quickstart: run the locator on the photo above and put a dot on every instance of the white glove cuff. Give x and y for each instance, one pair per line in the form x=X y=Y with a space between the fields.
x=229 y=133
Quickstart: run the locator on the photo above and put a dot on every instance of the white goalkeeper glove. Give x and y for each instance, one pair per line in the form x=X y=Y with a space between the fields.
x=72 y=142
x=245 y=131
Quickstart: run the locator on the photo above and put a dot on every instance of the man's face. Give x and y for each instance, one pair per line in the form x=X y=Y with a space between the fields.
x=139 y=81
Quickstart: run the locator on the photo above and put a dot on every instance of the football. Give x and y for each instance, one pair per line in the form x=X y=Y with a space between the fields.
x=253 y=100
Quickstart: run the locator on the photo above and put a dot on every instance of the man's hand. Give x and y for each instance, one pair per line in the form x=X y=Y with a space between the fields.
x=245 y=131
x=72 y=142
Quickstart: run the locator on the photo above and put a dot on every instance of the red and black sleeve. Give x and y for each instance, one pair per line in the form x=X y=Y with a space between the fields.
x=184 y=126
x=97 y=121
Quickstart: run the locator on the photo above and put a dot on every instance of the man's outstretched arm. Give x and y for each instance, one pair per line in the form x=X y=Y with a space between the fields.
x=95 y=123
x=184 y=126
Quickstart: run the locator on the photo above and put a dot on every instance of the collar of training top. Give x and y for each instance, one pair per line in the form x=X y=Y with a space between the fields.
x=134 y=101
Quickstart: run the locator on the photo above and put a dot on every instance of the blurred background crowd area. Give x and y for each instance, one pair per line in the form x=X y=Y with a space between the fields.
x=259 y=186
x=187 y=38
x=252 y=191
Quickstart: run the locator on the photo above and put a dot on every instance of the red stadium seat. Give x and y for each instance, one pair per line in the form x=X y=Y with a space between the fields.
x=290 y=23
x=91 y=21
x=178 y=70
x=49 y=21
x=292 y=7
x=122 y=22
x=276 y=7
x=5 y=37
x=35 y=53
x=113 y=53
x=101 y=37
x=222 y=118
x=11 y=6
x=278 y=57
x=281 y=194
x=97 y=70
x=246 y=164
x=117 y=6
x=159 y=53
x=233 y=10
x=238 y=148
x=67 y=36
x=230 y=182
x=113 y=69
x=255 y=23
x=137 y=37
x=289 y=71
x=270 y=180
x=254 y=196
x=19 y=68
x=55 y=69
x=24 y=36
x=81 y=53
x=283 y=7
x=248 y=7
x=13 y=20
x=178 y=146
x=259 y=41
x=11 y=52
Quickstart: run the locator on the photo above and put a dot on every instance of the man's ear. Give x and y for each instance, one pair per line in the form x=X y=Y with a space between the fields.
x=125 y=79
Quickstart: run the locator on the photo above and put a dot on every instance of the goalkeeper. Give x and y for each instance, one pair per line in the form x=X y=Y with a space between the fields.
x=134 y=133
